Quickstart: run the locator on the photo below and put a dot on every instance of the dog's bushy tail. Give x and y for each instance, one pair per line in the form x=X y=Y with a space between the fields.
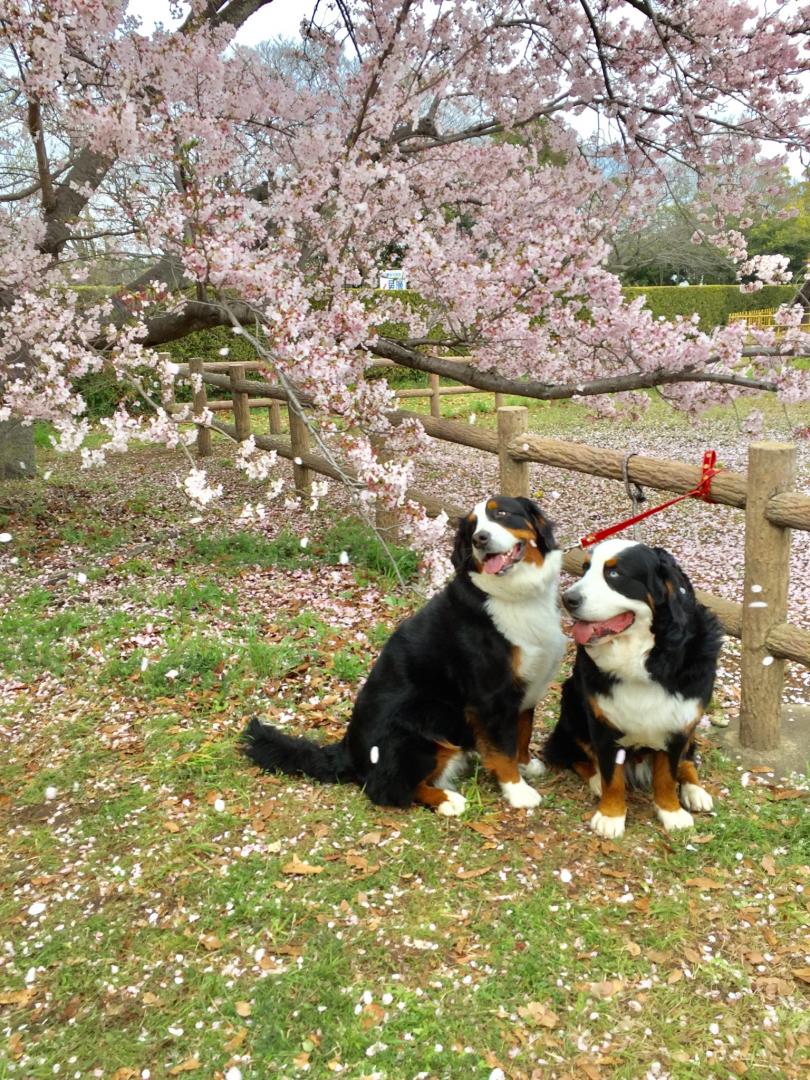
x=271 y=749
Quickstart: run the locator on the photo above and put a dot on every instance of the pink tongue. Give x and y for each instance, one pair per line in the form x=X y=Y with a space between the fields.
x=494 y=563
x=583 y=632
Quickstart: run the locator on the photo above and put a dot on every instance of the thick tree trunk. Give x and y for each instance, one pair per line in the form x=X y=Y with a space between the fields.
x=17 y=458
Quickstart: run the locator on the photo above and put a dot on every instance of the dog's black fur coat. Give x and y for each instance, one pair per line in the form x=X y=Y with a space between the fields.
x=439 y=663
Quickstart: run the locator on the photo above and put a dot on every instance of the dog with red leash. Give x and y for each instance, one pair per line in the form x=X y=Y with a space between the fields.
x=643 y=675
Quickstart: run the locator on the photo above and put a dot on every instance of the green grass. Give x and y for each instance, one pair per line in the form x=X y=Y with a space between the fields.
x=365 y=551
x=150 y=884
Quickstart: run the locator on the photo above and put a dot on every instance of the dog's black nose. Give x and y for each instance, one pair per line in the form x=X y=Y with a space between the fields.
x=571 y=600
x=481 y=538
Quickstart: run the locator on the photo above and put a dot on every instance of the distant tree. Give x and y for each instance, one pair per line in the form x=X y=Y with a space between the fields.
x=787 y=230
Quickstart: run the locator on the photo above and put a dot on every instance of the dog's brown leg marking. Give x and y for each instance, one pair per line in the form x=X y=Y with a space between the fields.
x=687 y=773
x=665 y=786
x=524 y=735
x=504 y=768
x=613 y=802
x=429 y=796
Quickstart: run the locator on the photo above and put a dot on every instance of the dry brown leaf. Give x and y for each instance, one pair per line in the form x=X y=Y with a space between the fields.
x=296 y=866
x=802 y=974
x=692 y=955
x=704 y=883
x=371 y=839
x=16 y=997
x=467 y=875
x=787 y=793
x=481 y=827
x=171 y=826
x=237 y=1040
x=607 y=988
x=15 y=1047
x=189 y=1065
x=72 y=1008
x=210 y=942
x=371 y=1016
x=633 y=948
x=590 y=1071
x=243 y=1008
x=768 y=864
x=538 y=1013
x=150 y=999
x=301 y=1060
x=674 y=976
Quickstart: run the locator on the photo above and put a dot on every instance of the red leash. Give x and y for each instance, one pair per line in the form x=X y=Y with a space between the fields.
x=702 y=491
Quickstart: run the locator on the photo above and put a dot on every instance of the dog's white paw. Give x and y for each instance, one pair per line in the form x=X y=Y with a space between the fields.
x=521 y=795
x=532 y=769
x=675 y=819
x=595 y=784
x=453 y=805
x=694 y=797
x=610 y=827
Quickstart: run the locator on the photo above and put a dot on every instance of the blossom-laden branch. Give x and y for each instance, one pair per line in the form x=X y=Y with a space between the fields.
x=272 y=192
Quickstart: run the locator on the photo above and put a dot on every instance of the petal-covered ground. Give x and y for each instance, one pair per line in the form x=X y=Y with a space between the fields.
x=168 y=910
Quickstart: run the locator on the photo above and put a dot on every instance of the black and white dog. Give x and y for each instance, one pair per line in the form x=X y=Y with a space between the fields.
x=643 y=675
x=461 y=675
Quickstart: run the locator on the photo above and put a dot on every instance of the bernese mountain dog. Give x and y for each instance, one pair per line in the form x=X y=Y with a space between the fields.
x=460 y=676
x=643 y=675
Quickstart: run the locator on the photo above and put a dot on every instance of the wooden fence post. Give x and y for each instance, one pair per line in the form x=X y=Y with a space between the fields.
x=513 y=420
x=299 y=441
x=435 y=396
x=241 y=403
x=200 y=403
x=499 y=401
x=771 y=469
x=275 y=418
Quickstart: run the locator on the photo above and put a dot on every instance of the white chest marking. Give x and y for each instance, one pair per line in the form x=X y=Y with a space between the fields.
x=637 y=705
x=646 y=714
x=532 y=624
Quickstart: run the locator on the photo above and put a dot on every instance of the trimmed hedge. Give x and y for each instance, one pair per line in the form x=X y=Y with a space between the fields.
x=713 y=303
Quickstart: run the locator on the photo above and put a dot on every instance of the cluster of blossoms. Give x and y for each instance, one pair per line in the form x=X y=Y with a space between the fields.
x=269 y=189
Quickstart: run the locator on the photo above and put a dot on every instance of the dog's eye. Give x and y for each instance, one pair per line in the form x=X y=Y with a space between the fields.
x=613 y=574
x=500 y=514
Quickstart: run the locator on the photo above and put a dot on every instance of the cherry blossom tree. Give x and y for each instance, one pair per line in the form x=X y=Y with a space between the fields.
x=267 y=194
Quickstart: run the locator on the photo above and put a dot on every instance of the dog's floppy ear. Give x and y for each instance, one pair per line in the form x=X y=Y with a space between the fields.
x=462 y=546
x=542 y=526
x=676 y=597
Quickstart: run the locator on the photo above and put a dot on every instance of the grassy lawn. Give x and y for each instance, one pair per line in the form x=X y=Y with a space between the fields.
x=167 y=910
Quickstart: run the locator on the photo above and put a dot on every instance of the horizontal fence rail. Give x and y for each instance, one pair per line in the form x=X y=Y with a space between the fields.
x=765 y=494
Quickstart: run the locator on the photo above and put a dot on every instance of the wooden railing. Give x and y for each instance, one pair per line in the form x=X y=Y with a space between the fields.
x=766 y=493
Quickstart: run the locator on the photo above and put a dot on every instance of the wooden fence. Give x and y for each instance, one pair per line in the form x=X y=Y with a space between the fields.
x=765 y=493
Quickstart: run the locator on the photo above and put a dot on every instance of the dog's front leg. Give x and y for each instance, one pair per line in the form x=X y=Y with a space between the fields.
x=497 y=745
